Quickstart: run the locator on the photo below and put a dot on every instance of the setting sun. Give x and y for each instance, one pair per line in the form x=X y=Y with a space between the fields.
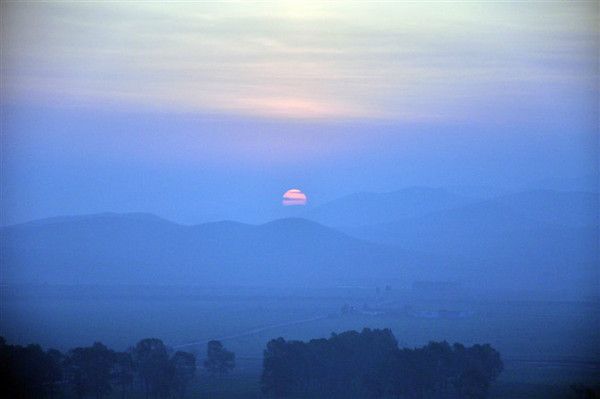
x=294 y=197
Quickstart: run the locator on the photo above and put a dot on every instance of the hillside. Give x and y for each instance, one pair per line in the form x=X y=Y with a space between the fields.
x=370 y=208
x=530 y=247
x=115 y=249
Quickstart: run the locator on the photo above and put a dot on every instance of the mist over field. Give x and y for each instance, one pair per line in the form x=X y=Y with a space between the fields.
x=299 y=200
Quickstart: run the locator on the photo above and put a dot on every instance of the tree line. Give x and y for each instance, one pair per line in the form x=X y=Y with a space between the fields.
x=370 y=364
x=96 y=371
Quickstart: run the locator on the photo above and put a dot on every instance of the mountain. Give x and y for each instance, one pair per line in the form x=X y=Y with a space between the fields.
x=570 y=208
x=127 y=249
x=539 y=238
x=98 y=216
x=588 y=183
x=543 y=215
x=545 y=238
x=371 y=208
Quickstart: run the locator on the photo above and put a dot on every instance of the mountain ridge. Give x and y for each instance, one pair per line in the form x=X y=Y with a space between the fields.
x=132 y=250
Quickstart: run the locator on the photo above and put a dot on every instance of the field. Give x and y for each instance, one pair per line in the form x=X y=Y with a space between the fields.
x=546 y=345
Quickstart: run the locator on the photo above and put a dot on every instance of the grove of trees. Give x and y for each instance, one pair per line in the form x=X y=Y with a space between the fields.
x=96 y=371
x=369 y=364
x=29 y=371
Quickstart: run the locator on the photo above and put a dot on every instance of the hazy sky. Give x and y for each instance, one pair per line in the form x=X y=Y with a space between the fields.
x=199 y=111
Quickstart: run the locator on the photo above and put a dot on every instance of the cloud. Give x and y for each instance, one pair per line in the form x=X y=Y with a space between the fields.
x=315 y=60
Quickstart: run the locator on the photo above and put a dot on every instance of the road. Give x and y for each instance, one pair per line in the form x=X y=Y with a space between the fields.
x=253 y=331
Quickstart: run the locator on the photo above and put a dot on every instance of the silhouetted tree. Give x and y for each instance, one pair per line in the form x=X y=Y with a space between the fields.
x=88 y=370
x=277 y=377
x=184 y=368
x=54 y=371
x=123 y=372
x=370 y=364
x=219 y=360
x=151 y=361
x=582 y=392
x=28 y=372
x=476 y=368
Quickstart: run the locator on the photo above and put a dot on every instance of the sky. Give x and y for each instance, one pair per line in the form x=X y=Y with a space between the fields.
x=199 y=111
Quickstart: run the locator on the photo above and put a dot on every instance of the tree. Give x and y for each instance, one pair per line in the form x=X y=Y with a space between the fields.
x=89 y=370
x=29 y=372
x=54 y=371
x=123 y=372
x=370 y=364
x=478 y=367
x=152 y=364
x=277 y=378
x=184 y=368
x=219 y=360
x=582 y=392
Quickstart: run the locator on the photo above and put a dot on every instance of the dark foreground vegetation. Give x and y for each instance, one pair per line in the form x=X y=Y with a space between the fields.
x=149 y=368
x=369 y=364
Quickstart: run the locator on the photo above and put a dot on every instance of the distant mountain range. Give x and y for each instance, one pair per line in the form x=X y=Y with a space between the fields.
x=144 y=249
x=372 y=208
x=535 y=239
x=565 y=208
x=546 y=235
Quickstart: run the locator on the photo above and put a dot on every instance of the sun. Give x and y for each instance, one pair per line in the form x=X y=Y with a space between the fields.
x=294 y=197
